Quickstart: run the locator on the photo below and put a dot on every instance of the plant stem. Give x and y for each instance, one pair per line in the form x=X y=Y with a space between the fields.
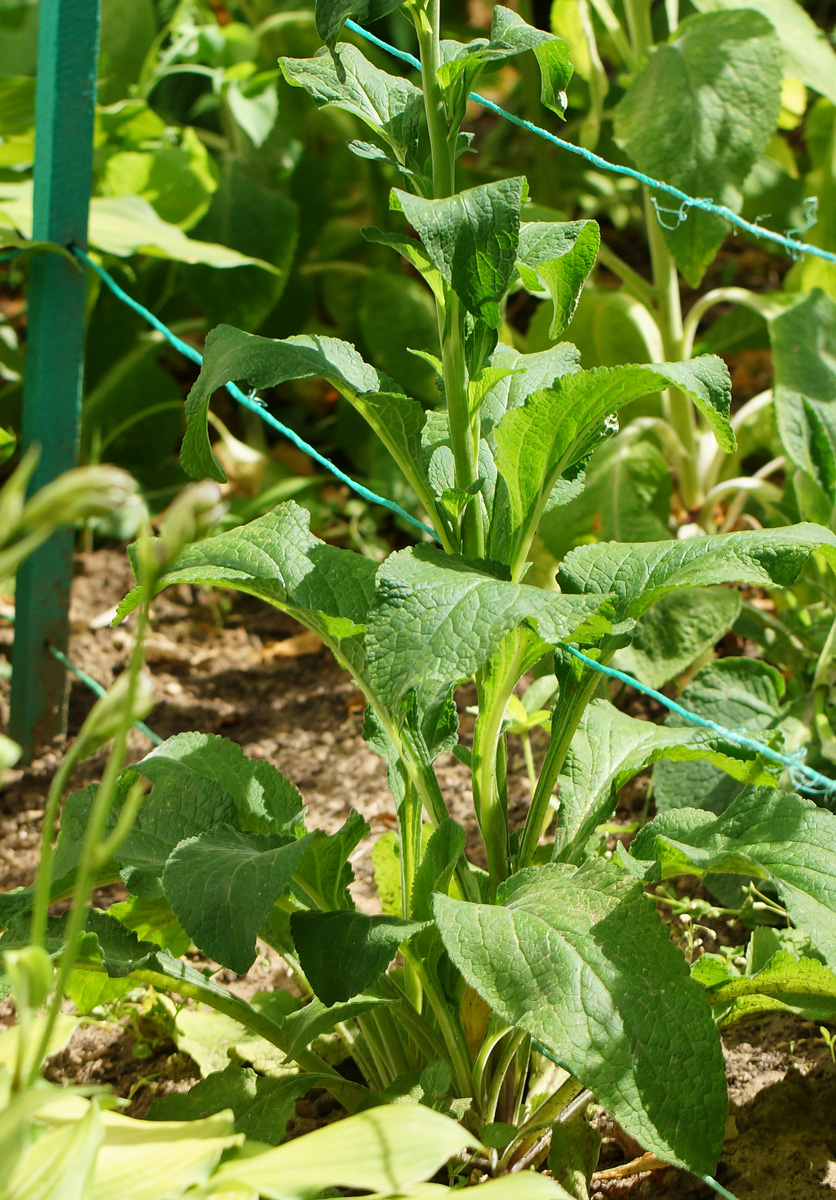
x=428 y=28
x=495 y=685
x=633 y=282
x=463 y=430
x=43 y=882
x=506 y=1058
x=565 y=722
x=91 y=853
x=668 y=307
x=453 y=1037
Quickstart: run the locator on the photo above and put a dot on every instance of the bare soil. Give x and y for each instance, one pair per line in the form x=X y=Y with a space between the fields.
x=237 y=667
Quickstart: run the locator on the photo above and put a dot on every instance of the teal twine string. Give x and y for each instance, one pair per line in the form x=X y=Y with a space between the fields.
x=250 y=401
x=792 y=245
x=801 y=775
x=91 y=683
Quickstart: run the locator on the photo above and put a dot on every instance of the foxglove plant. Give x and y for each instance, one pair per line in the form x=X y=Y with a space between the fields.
x=546 y=978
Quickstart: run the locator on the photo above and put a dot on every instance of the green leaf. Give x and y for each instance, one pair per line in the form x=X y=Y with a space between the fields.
x=342 y=953
x=579 y=959
x=740 y=693
x=808 y=55
x=472 y=240
x=787 y=982
x=803 y=346
x=324 y=871
x=610 y=748
x=766 y=834
x=626 y=494
x=676 y=631
x=523 y=374
x=389 y=104
x=305 y=1026
x=223 y=883
x=153 y=1160
x=558 y=257
x=644 y=572
x=561 y=425
x=254 y=111
x=178 y=180
x=697 y=115
x=265 y=801
x=262 y=1107
x=231 y=354
x=551 y=52
x=436 y=618
x=443 y=851
x=278 y=559
x=125 y=225
x=60 y=1163
x=331 y=15
x=386 y=1150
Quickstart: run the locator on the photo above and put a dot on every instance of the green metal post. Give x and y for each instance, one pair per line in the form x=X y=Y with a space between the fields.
x=68 y=37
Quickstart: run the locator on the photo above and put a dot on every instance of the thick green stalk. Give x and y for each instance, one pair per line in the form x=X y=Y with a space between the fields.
x=495 y=686
x=463 y=431
x=450 y=1030
x=428 y=26
x=678 y=408
x=567 y=717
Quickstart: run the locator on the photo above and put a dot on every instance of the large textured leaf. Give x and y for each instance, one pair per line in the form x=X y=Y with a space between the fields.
x=223 y=883
x=388 y=1150
x=698 y=114
x=262 y=1107
x=784 y=983
x=679 y=628
x=232 y=354
x=641 y=573
x=472 y=240
x=562 y=424
x=579 y=959
x=804 y=353
x=608 y=749
x=278 y=559
x=265 y=801
x=807 y=53
x=436 y=618
x=740 y=693
x=524 y=375
x=551 y=52
x=558 y=257
x=342 y=953
x=324 y=871
x=764 y=833
x=389 y=104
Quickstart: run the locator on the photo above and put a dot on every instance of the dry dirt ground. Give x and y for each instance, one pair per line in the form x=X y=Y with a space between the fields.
x=237 y=667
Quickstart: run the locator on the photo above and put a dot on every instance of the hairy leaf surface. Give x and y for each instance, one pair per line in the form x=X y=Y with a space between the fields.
x=766 y=834
x=579 y=959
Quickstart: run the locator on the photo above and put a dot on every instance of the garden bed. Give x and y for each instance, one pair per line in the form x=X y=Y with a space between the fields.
x=241 y=668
